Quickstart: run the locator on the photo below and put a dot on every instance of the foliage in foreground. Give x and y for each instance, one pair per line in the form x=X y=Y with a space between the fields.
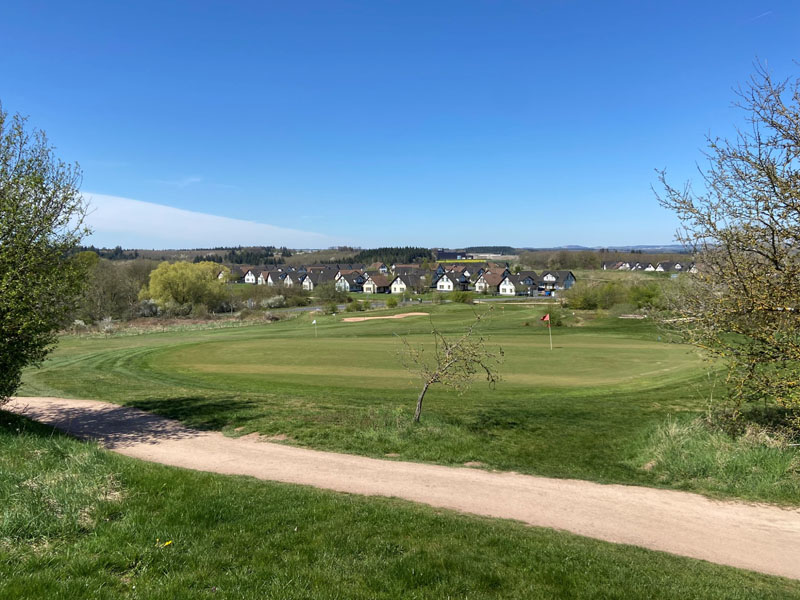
x=96 y=525
x=744 y=304
x=41 y=215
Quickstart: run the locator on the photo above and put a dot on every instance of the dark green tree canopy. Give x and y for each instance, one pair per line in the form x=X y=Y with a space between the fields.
x=41 y=222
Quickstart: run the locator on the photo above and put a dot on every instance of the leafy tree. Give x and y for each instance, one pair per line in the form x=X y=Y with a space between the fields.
x=453 y=362
x=744 y=303
x=185 y=283
x=41 y=223
x=113 y=287
x=327 y=292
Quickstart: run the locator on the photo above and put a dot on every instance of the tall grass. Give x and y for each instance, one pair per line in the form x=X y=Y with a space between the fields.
x=756 y=465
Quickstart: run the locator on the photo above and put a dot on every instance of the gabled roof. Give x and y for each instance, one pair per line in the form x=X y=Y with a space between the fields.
x=492 y=279
x=559 y=275
x=380 y=280
x=344 y=272
x=350 y=280
x=318 y=277
x=408 y=280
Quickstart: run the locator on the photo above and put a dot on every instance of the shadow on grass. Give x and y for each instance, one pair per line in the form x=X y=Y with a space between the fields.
x=203 y=413
x=141 y=422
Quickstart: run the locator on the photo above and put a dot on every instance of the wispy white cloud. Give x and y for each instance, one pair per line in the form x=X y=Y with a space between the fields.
x=181 y=183
x=761 y=16
x=137 y=224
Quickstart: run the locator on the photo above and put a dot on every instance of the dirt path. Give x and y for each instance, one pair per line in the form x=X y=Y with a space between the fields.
x=758 y=537
x=400 y=316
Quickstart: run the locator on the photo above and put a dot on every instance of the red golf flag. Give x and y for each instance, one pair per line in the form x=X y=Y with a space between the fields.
x=546 y=318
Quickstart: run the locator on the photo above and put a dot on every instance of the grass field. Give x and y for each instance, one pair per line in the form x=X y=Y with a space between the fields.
x=580 y=410
x=80 y=522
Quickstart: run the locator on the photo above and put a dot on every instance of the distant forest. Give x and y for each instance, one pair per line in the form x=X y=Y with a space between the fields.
x=110 y=253
x=491 y=249
x=390 y=255
x=270 y=255
x=261 y=255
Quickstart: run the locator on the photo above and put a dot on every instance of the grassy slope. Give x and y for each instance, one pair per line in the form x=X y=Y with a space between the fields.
x=581 y=410
x=79 y=522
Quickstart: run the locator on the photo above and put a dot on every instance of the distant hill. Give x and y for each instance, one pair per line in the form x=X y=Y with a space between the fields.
x=643 y=248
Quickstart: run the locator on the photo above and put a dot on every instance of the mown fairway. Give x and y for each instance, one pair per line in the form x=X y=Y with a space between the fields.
x=581 y=410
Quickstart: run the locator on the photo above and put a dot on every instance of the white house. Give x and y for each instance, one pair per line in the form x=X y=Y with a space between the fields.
x=268 y=278
x=488 y=282
x=250 y=276
x=376 y=284
x=446 y=283
x=398 y=286
x=508 y=287
x=291 y=279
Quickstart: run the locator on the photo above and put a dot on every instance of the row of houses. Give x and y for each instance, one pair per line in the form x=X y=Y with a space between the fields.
x=662 y=267
x=378 y=278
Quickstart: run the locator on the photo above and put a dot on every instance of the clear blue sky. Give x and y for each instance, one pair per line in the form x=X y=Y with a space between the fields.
x=438 y=123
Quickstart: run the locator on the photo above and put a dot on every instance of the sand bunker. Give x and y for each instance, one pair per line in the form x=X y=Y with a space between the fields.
x=400 y=316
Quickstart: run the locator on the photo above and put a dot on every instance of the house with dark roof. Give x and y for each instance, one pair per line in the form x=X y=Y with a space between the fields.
x=376 y=284
x=350 y=283
x=556 y=280
x=489 y=283
x=316 y=278
x=450 y=282
x=270 y=278
x=379 y=267
x=408 y=282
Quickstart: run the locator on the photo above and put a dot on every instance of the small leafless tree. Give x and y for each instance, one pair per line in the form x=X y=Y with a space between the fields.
x=454 y=362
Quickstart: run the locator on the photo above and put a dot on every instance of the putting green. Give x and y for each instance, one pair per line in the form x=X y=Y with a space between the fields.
x=370 y=359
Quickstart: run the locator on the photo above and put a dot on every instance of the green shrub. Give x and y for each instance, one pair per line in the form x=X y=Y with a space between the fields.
x=462 y=297
x=588 y=295
x=327 y=292
x=391 y=302
x=199 y=311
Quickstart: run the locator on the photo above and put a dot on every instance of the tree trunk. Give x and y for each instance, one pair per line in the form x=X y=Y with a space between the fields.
x=419 y=402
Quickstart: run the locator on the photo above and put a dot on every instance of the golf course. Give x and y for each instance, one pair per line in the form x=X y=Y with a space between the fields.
x=81 y=518
x=582 y=409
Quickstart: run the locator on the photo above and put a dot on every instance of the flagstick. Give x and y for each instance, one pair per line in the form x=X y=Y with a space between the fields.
x=550 y=331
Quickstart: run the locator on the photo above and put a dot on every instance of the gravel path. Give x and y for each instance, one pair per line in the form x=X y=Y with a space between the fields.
x=757 y=537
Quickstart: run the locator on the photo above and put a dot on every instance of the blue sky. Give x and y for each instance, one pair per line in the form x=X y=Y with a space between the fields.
x=438 y=123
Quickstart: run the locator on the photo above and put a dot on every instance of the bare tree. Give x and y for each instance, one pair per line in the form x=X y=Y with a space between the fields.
x=453 y=362
x=744 y=303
